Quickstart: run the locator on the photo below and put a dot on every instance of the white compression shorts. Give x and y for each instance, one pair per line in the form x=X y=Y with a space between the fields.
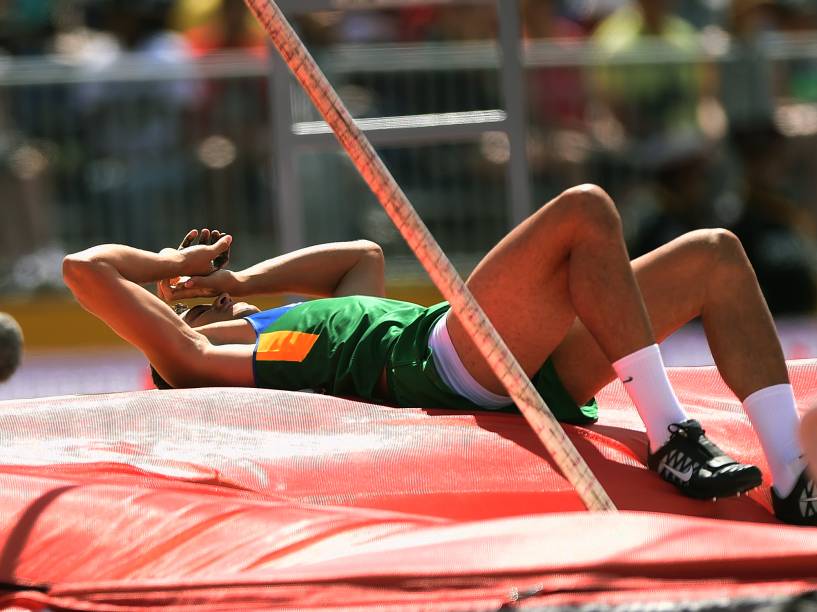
x=452 y=371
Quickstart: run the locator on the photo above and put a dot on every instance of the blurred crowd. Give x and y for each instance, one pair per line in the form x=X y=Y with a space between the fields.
x=680 y=142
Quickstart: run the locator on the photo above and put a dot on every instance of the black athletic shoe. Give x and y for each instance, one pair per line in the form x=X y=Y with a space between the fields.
x=800 y=506
x=699 y=468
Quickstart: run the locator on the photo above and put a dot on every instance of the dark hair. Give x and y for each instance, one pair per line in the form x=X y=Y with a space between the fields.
x=160 y=382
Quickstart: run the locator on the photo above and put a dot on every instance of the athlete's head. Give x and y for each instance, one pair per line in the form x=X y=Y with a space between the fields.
x=11 y=346
x=223 y=308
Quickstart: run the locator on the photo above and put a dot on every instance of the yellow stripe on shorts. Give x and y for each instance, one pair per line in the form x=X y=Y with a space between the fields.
x=285 y=346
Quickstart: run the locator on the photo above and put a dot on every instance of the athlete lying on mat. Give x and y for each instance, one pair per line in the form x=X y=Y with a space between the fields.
x=559 y=288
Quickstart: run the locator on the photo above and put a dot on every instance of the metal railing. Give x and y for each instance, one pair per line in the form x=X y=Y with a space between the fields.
x=134 y=153
x=437 y=126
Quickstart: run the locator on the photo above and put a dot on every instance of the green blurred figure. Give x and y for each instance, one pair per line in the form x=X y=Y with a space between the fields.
x=652 y=81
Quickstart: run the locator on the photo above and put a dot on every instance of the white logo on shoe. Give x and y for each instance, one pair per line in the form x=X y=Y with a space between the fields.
x=682 y=476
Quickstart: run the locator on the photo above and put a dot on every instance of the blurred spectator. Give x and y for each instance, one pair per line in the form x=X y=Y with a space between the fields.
x=557 y=137
x=477 y=22
x=230 y=123
x=229 y=26
x=28 y=154
x=415 y=22
x=30 y=249
x=677 y=197
x=448 y=23
x=557 y=93
x=319 y=29
x=747 y=80
x=592 y=12
x=189 y=14
x=367 y=26
x=133 y=127
x=776 y=233
x=797 y=19
x=26 y=27
x=798 y=15
x=543 y=19
x=771 y=225
x=650 y=99
x=11 y=346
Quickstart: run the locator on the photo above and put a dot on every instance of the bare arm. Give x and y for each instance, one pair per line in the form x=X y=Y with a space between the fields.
x=334 y=269
x=105 y=280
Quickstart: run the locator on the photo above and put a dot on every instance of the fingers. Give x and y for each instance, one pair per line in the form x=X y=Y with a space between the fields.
x=197 y=283
x=190 y=288
x=187 y=294
x=164 y=290
x=188 y=240
x=222 y=245
x=179 y=281
x=205 y=237
x=211 y=238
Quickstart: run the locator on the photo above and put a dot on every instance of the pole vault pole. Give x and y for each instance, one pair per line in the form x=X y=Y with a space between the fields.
x=431 y=257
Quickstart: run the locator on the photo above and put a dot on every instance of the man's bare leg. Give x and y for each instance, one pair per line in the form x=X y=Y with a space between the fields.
x=703 y=273
x=567 y=260
x=707 y=274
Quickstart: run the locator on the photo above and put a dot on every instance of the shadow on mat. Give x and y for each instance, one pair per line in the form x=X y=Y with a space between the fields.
x=630 y=485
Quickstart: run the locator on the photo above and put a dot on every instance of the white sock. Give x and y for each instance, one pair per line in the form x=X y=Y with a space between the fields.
x=773 y=413
x=645 y=380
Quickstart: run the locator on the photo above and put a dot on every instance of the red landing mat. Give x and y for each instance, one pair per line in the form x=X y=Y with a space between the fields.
x=242 y=498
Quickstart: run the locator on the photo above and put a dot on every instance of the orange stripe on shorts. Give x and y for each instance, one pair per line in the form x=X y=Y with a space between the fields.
x=285 y=346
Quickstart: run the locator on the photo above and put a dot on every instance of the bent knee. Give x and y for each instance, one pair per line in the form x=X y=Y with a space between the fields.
x=591 y=207
x=721 y=245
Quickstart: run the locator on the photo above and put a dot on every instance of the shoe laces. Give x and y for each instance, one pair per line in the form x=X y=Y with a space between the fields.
x=687 y=429
x=692 y=431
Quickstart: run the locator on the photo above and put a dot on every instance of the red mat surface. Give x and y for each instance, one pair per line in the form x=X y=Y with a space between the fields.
x=241 y=498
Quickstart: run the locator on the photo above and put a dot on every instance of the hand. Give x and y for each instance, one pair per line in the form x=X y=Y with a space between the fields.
x=201 y=259
x=164 y=288
x=211 y=285
x=207 y=237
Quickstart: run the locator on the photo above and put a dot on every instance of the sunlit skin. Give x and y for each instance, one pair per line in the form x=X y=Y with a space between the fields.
x=560 y=284
x=222 y=309
x=223 y=321
x=212 y=344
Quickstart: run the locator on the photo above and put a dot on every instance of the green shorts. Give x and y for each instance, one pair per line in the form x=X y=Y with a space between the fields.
x=414 y=381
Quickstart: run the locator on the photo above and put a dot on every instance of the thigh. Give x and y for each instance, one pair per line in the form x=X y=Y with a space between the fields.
x=522 y=286
x=672 y=280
